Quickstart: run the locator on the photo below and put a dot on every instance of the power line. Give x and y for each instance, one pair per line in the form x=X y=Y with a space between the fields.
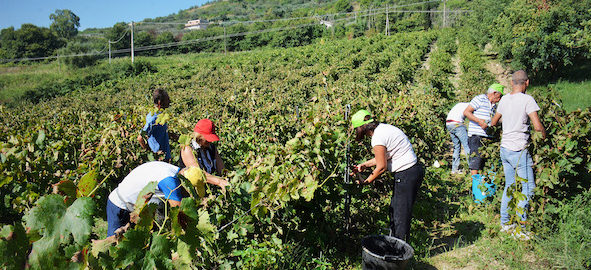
x=187 y=42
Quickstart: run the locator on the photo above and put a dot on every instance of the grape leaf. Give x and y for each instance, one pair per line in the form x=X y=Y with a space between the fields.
x=86 y=184
x=14 y=246
x=60 y=226
x=131 y=250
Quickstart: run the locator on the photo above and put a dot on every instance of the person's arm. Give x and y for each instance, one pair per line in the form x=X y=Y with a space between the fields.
x=142 y=141
x=538 y=126
x=190 y=161
x=495 y=119
x=469 y=113
x=174 y=203
x=379 y=162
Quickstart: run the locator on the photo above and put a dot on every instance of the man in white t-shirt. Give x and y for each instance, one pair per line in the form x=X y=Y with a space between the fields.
x=459 y=135
x=515 y=111
x=122 y=200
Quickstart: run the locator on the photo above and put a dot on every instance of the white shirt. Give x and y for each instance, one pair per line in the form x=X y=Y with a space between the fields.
x=515 y=110
x=457 y=112
x=399 y=153
x=125 y=195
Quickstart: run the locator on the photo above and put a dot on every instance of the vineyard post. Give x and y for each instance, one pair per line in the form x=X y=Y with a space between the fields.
x=387 y=22
x=225 y=41
x=109 y=51
x=132 y=41
x=444 y=14
x=346 y=176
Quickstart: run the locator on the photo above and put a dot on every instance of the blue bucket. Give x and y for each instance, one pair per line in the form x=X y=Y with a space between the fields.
x=481 y=195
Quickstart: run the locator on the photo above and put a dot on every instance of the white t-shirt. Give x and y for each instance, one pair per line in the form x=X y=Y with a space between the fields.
x=399 y=150
x=125 y=195
x=457 y=112
x=515 y=110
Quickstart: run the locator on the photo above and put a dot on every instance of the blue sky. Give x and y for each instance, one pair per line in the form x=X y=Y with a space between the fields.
x=93 y=14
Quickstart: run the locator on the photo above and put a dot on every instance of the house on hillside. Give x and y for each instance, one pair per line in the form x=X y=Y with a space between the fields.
x=328 y=24
x=196 y=24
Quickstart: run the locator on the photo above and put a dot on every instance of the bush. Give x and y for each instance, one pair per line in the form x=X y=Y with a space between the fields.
x=570 y=245
x=85 y=55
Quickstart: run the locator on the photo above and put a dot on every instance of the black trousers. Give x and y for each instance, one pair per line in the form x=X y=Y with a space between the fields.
x=406 y=187
x=476 y=160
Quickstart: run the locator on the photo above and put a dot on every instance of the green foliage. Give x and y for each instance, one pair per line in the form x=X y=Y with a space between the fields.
x=27 y=42
x=14 y=246
x=65 y=23
x=568 y=244
x=541 y=38
x=83 y=54
x=64 y=230
x=280 y=114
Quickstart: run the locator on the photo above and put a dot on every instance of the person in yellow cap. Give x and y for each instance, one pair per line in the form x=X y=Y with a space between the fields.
x=394 y=153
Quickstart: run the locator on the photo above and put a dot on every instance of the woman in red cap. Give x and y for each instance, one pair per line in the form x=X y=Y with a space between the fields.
x=204 y=154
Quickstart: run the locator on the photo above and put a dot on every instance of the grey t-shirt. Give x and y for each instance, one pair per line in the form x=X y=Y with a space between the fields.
x=514 y=109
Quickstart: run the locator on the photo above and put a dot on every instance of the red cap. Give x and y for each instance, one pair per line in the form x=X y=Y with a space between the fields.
x=206 y=128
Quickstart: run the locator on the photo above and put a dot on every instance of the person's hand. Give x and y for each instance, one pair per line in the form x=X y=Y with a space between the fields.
x=482 y=124
x=359 y=168
x=223 y=183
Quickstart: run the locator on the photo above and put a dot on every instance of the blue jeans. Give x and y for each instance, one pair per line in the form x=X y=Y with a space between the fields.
x=459 y=136
x=520 y=163
x=116 y=217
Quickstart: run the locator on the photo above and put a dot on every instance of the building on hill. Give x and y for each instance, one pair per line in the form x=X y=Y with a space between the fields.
x=198 y=24
x=328 y=24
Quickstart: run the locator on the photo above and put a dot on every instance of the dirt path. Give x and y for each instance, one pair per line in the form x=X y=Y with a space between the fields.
x=502 y=74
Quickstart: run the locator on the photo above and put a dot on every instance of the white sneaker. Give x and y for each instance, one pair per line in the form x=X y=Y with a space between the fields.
x=508 y=228
x=521 y=235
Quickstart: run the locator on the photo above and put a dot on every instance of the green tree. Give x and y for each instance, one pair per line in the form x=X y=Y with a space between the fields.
x=28 y=41
x=343 y=6
x=65 y=23
x=121 y=35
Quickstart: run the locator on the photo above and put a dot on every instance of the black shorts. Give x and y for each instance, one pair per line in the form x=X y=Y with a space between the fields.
x=476 y=160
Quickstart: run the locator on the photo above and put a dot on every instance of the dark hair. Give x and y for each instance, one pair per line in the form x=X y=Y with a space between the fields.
x=160 y=95
x=361 y=131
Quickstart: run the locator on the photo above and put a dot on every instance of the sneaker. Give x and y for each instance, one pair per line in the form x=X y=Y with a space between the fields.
x=508 y=228
x=521 y=235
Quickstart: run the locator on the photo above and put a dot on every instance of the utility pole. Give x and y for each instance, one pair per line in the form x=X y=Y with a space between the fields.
x=387 y=22
x=444 y=14
x=132 y=41
x=225 y=48
x=109 y=51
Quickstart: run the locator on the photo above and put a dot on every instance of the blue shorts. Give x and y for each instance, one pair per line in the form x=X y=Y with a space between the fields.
x=116 y=217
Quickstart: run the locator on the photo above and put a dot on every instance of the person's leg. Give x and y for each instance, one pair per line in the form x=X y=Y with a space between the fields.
x=509 y=169
x=474 y=143
x=457 y=147
x=462 y=134
x=525 y=171
x=116 y=218
x=406 y=187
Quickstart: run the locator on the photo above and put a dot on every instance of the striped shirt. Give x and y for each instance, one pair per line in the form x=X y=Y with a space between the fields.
x=483 y=109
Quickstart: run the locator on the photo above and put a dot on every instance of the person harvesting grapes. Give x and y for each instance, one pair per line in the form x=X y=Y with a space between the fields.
x=517 y=110
x=459 y=135
x=158 y=140
x=204 y=154
x=479 y=112
x=393 y=152
x=121 y=201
